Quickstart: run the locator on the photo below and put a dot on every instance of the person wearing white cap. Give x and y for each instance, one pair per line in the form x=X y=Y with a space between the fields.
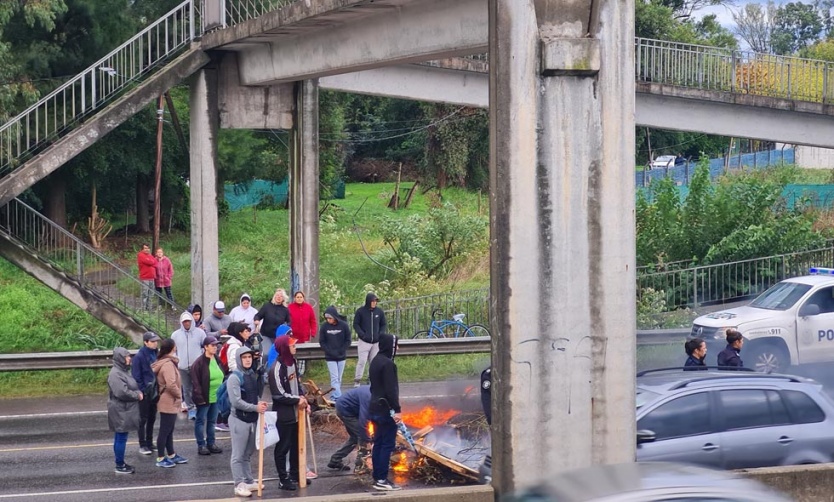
x=217 y=324
x=244 y=312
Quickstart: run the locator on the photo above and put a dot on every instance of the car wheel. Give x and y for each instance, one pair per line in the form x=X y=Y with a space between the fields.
x=769 y=357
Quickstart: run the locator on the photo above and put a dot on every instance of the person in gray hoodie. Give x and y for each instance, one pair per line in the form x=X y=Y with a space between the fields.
x=245 y=388
x=122 y=406
x=189 y=341
x=217 y=324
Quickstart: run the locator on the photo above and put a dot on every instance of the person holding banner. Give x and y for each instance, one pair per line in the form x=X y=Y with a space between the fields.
x=287 y=399
x=244 y=388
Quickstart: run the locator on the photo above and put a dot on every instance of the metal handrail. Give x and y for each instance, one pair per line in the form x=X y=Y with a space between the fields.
x=306 y=351
x=88 y=267
x=238 y=11
x=43 y=122
x=739 y=72
x=732 y=281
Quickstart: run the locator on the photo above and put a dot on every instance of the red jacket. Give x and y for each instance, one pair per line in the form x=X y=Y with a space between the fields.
x=302 y=321
x=164 y=272
x=147 y=266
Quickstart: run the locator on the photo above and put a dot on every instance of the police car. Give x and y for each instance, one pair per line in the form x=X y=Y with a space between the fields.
x=790 y=323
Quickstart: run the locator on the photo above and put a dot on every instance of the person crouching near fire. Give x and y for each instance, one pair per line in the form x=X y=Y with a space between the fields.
x=287 y=399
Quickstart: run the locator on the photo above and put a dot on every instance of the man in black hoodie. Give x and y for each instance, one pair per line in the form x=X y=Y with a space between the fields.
x=385 y=398
x=369 y=323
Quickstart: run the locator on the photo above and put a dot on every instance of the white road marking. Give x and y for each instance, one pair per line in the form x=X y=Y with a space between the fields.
x=123 y=489
x=95 y=445
x=48 y=415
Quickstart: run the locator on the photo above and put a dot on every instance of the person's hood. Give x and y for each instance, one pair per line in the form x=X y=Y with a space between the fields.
x=241 y=301
x=244 y=350
x=186 y=316
x=163 y=360
x=282 y=344
x=333 y=312
x=369 y=298
x=120 y=355
x=195 y=308
x=388 y=345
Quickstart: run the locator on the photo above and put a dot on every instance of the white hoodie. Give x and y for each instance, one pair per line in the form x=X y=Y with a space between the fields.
x=247 y=315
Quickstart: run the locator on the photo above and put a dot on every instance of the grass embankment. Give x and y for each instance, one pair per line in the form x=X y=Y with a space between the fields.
x=254 y=258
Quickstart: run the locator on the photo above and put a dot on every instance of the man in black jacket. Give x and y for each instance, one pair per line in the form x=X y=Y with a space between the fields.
x=369 y=323
x=730 y=356
x=385 y=398
x=142 y=373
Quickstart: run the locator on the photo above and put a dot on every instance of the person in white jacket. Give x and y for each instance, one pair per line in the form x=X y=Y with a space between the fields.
x=244 y=312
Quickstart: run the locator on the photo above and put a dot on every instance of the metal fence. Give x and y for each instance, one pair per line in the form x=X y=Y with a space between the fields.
x=406 y=316
x=727 y=282
x=238 y=11
x=91 y=269
x=107 y=78
x=743 y=72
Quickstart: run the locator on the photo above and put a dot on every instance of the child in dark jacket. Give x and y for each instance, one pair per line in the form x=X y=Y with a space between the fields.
x=287 y=398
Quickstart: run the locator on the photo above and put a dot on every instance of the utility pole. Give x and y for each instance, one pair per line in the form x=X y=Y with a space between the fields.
x=157 y=188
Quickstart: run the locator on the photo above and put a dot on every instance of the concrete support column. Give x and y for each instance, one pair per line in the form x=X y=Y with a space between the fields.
x=304 y=192
x=562 y=227
x=205 y=281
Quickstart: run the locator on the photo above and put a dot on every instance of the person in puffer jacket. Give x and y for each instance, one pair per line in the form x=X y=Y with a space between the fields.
x=245 y=388
x=122 y=406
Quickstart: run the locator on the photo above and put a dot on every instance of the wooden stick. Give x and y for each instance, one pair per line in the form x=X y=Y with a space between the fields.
x=302 y=448
x=261 y=424
x=312 y=444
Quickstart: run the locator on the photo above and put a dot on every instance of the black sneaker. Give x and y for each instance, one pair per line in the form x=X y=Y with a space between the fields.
x=125 y=469
x=215 y=449
x=202 y=450
x=338 y=466
x=144 y=450
x=287 y=485
x=386 y=486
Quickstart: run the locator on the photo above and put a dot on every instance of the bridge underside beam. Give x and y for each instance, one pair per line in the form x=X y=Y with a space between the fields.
x=416 y=82
x=416 y=31
x=726 y=119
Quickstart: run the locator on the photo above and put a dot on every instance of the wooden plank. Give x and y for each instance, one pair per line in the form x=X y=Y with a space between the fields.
x=456 y=467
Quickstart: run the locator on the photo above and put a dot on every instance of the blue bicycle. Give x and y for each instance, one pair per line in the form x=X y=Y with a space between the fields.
x=451 y=328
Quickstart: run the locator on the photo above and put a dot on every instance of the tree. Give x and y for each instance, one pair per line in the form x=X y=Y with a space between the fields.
x=754 y=25
x=795 y=26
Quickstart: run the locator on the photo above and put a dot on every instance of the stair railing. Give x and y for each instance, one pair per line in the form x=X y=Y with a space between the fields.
x=94 y=271
x=59 y=111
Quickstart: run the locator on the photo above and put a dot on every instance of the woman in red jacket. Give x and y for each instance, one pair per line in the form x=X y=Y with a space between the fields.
x=303 y=323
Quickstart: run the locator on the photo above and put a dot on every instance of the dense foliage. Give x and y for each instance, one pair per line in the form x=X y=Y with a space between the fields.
x=741 y=216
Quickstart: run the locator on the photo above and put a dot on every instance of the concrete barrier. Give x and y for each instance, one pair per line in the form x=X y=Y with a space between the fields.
x=802 y=483
x=470 y=493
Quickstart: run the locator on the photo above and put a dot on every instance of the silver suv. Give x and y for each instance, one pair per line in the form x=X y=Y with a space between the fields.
x=732 y=420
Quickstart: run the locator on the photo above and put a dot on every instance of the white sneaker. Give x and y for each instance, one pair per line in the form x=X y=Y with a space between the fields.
x=242 y=491
x=253 y=486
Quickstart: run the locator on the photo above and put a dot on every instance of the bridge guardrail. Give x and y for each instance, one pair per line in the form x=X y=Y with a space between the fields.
x=307 y=351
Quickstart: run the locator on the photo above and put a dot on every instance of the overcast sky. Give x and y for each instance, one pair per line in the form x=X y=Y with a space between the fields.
x=725 y=16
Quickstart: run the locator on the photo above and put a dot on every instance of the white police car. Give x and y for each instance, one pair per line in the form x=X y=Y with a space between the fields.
x=790 y=323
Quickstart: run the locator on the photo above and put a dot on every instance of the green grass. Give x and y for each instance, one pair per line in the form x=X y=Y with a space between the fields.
x=18 y=384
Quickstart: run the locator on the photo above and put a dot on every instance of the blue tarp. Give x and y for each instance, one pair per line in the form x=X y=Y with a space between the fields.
x=682 y=174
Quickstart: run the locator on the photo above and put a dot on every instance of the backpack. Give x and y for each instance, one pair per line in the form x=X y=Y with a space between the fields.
x=224 y=405
x=223 y=358
x=151 y=390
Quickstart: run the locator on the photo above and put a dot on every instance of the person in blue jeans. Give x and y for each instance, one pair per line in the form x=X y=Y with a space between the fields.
x=122 y=406
x=385 y=398
x=206 y=377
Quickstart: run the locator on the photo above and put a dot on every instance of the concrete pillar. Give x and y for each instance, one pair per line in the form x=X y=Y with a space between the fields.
x=205 y=281
x=563 y=236
x=304 y=192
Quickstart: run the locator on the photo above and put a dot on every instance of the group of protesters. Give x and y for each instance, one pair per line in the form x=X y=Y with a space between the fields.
x=243 y=352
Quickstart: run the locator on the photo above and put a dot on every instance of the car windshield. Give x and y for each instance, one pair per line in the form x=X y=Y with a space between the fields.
x=645 y=397
x=782 y=296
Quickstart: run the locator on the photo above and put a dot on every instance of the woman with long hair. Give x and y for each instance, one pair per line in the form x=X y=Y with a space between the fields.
x=170 y=401
x=303 y=323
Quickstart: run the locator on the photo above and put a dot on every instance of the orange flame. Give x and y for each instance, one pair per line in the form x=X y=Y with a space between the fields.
x=371 y=430
x=402 y=463
x=428 y=416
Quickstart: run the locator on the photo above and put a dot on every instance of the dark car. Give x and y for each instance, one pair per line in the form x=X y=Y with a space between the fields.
x=647 y=482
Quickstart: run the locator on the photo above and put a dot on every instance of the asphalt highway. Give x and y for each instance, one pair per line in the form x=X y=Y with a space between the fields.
x=60 y=449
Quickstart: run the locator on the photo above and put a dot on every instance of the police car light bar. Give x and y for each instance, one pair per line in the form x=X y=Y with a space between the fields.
x=822 y=271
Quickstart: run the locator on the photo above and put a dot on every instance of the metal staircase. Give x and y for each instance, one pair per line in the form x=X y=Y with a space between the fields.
x=78 y=113
x=81 y=274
